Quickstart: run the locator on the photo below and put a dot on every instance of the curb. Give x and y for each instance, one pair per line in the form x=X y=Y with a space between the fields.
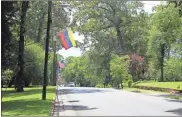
x=52 y=111
x=53 y=107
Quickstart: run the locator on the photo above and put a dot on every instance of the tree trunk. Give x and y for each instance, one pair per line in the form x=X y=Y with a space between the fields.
x=168 y=54
x=120 y=41
x=108 y=67
x=19 y=84
x=5 y=31
x=162 y=62
x=122 y=84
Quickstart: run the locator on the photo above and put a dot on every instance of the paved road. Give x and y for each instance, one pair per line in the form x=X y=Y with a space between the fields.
x=112 y=102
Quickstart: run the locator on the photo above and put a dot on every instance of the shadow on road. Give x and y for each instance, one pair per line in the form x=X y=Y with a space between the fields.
x=176 y=111
x=77 y=107
x=174 y=100
x=61 y=108
x=73 y=101
x=168 y=95
x=73 y=91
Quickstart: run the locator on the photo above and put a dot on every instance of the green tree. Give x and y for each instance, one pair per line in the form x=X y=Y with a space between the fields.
x=34 y=63
x=104 y=26
x=19 y=79
x=164 y=31
x=119 y=69
x=108 y=16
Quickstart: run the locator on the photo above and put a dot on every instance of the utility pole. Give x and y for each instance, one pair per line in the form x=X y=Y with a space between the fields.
x=46 y=50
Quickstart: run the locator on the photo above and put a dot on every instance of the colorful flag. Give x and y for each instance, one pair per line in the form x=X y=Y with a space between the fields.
x=63 y=40
x=67 y=39
x=71 y=37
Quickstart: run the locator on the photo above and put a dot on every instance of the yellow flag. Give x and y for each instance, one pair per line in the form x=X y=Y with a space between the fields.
x=71 y=37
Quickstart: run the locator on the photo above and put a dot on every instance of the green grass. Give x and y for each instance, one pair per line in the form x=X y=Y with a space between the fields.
x=143 y=91
x=28 y=103
x=136 y=90
x=172 y=85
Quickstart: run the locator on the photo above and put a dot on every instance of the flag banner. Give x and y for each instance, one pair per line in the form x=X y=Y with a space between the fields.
x=67 y=39
x=71 y=37
x=63 y=40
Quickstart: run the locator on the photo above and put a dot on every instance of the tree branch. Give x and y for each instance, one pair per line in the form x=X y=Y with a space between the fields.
x=111 y=20
x=103 y=8
x=106 y=27
x=114 y=11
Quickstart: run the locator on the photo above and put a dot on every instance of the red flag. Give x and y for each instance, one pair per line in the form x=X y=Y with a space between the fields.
x=63 y=40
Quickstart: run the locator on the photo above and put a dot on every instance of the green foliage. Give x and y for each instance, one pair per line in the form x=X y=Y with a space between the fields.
x=130 y=83
x=173 y=69
x=109 y=86
x=99 y=20
x=7 y=74
x=119 y=69
x=34 y=63
x=164 y=34
x=82 y=71
x=37 y=20
x=99 y=86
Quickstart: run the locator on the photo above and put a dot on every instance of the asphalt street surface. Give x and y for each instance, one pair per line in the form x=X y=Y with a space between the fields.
x=113 y=102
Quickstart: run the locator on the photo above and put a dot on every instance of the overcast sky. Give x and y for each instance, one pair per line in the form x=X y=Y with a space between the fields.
x=76 y=51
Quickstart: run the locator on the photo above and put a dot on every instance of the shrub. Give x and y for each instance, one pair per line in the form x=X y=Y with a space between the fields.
x=109 y=86
x=100 y=86
x=130 y=83
x=34 y=63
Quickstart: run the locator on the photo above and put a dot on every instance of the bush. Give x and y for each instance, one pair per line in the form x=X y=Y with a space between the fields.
x=100 y=86
x=109 y=86
x=130 y=83
x=34 y=63
x=173 y=70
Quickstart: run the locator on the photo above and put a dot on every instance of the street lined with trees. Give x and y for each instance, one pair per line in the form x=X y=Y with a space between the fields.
x=123 y=46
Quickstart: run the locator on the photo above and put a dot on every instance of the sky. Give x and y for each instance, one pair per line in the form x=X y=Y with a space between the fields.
x=77 y=52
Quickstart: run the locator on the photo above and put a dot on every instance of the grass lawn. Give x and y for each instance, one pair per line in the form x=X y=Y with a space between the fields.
x=172 y=85
x=28 y=103
x=136 y=90
x=143 y=91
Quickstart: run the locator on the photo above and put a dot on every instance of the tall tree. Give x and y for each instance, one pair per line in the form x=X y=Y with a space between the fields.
x=164 y=31
x=7 y=16
x=114 y=16
x=20 y=80
x=119 y=69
